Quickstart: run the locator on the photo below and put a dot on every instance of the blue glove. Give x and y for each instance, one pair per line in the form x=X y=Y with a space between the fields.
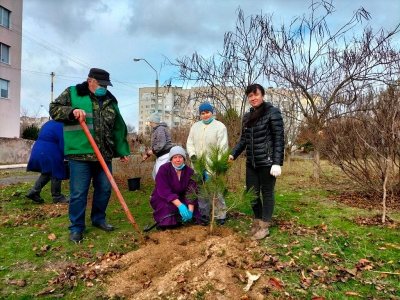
x=185 y=213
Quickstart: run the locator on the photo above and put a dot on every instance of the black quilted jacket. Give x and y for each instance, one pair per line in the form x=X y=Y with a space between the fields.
x=262 y=137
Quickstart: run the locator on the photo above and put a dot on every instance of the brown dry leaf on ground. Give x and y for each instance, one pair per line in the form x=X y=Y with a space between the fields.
x=349 y=293
x=367 y=201
x=17 y=282
x=364 y=264
x=186 y=263
x=52 y=237
x=275 y=283
x=376 y=221
x=38 y=214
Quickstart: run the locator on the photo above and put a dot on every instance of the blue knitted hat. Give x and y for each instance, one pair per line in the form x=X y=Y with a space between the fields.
x=206 y=106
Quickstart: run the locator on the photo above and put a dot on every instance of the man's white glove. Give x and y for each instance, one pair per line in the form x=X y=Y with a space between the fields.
x=275 y=170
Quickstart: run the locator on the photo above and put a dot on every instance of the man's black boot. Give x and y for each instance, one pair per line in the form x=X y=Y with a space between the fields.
x=76 y=237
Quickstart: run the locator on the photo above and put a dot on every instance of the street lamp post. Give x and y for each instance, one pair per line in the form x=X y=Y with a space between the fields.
x=156 y=91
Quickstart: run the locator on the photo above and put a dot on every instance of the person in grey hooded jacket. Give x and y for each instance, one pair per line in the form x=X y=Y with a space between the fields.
x=160 y=142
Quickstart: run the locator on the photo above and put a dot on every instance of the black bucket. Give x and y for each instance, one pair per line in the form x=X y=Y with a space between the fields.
x=134 y=184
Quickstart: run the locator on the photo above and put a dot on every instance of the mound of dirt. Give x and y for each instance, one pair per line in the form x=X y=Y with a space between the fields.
x=188 y=263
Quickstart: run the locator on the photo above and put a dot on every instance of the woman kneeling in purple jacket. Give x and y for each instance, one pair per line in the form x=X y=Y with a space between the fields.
x=174 y=186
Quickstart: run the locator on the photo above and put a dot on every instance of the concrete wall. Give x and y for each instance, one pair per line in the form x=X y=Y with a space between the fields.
x=15 y=151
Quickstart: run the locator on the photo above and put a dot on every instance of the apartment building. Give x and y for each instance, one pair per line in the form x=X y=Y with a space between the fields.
x=178 y=106
x=10 y=67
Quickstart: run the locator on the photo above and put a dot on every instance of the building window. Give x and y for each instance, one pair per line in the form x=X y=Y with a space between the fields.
x=4 y=88
x=4 y=53
x=4 y=17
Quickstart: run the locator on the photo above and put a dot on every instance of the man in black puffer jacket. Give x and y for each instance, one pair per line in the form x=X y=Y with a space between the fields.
x=263 y=138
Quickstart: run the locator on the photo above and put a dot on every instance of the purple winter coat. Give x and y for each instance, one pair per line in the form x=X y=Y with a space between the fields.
x=47 y=155
x=169 y=188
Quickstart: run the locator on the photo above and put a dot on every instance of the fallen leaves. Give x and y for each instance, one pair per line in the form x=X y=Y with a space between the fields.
x=376 y=221
x=275 y=283
x=364 y=264
x=322 y=227
x=320 y=271
x=349 y=293
x=42 y=250
x=365 y=200
x=33 y=216
x=296 y=229
x=17 y=282
x=52 y=237
x=394 y=246
x=305 y=282
x=47 y=291
x=88 y=272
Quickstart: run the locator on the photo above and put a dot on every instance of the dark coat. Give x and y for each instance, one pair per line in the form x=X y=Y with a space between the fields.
x=262 y=137
x=168 y=188
x=47 y=155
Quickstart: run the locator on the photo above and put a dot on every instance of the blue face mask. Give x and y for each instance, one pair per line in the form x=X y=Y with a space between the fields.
x=180 y=167
x=100 y=91
x=208 y=121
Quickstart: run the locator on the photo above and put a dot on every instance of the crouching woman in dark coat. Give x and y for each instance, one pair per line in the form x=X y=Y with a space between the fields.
x=172 y=196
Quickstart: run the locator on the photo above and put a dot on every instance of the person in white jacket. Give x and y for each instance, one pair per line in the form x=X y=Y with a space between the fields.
x=204 y=135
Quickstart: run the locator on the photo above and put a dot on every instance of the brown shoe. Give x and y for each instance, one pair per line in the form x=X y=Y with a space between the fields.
x=254 y=226
x=262 y=232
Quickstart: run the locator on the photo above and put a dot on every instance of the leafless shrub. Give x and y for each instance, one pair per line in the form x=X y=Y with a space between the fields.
x=180 y=134
x=366 y=144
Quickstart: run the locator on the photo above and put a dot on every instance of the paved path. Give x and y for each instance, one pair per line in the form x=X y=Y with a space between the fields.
x=18 y=179
x=15 y=179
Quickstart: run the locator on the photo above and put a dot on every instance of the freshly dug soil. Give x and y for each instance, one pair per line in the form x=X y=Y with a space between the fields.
x=189 y=263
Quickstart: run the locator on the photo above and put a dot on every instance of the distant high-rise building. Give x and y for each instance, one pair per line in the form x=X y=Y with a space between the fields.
x=10 y=67
x=178 y=106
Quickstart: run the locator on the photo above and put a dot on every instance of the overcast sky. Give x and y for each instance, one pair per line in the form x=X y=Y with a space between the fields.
x=68 y=37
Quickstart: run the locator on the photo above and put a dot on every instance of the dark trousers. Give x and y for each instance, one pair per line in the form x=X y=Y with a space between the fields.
x=262 y=182
x=42 y=181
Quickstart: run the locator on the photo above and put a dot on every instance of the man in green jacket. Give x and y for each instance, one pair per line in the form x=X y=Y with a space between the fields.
x=91 y=102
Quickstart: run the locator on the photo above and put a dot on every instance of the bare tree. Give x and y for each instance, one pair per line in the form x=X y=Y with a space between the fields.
x=327 y=67
x=365 y=144
x=239 y=64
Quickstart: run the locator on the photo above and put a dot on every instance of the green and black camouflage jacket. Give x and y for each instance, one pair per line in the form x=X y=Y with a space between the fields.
x=109 y=128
